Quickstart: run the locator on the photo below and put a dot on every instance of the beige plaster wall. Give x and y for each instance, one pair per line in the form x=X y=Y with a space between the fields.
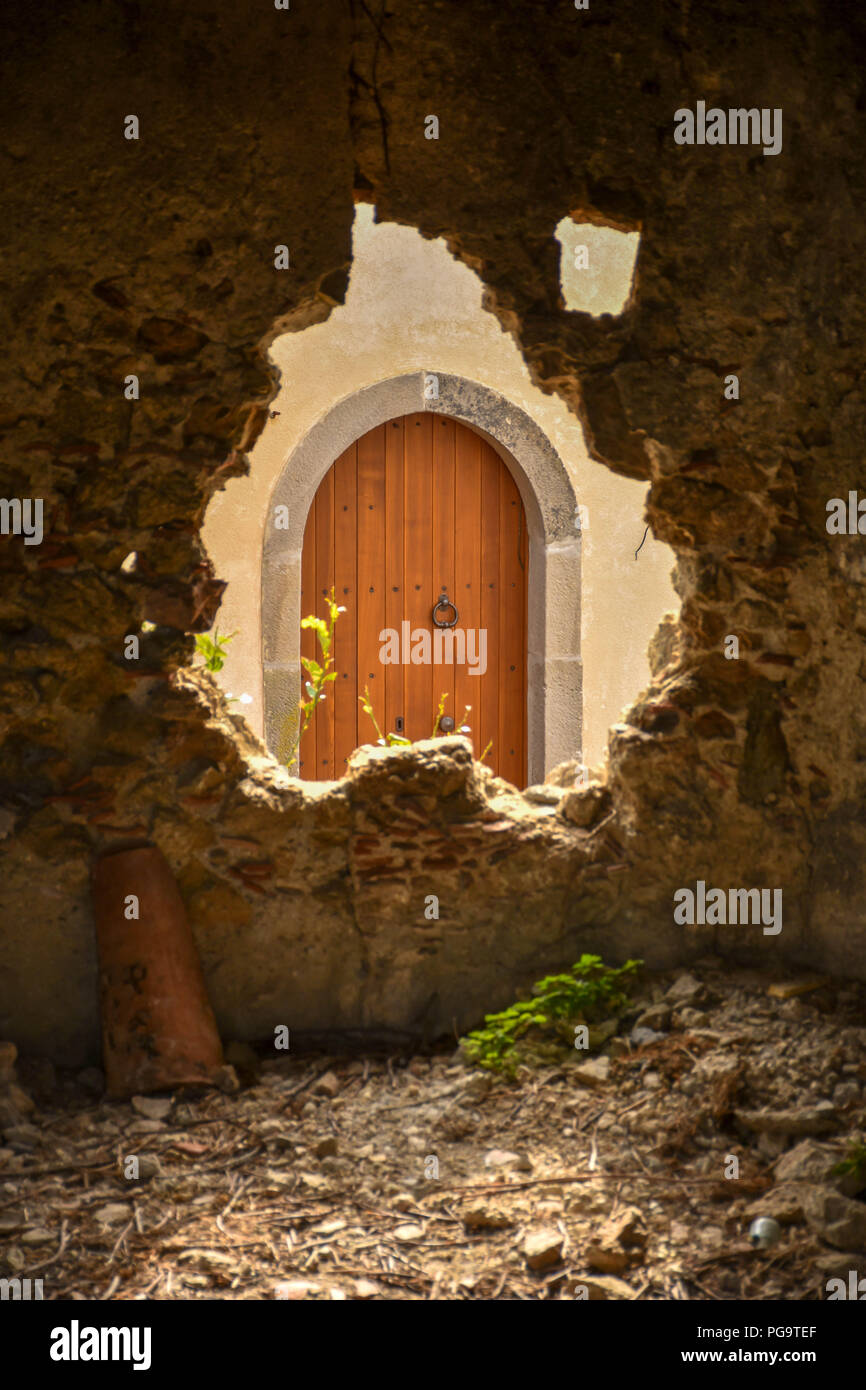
x=410 y=306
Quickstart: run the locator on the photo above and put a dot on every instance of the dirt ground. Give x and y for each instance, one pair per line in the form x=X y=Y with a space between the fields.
x=399 y=1176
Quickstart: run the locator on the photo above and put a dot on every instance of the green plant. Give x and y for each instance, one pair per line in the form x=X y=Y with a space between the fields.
x=213 y=650
x=386 y=740
x=854 y=1162
x=397 y=740
x=439 y=713
x=588 y=992
x=319 y=673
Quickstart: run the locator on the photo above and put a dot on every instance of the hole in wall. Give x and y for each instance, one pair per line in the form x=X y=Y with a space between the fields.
x=412 y=307
x=596 y=266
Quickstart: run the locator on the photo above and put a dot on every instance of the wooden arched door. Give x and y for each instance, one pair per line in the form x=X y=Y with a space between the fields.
x=419 y=507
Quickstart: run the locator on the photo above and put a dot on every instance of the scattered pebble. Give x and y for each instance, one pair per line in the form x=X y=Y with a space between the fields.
x=152 y=1107
x=543 y=1248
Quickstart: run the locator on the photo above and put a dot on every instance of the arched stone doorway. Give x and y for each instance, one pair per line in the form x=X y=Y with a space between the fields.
x=420 y=530
x=553 y=667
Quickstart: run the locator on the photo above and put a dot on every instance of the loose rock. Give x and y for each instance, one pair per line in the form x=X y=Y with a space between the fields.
x=504 y=1158
x=594 y=1072
x=657 y=1017
x=816 y=1119
x=152 y=1107
x=327 y=1085
x=542 y=1248
x=600 y=1287
x=838 y=1220
x=483 y=1216
x=685 y=990
x=112 y=1213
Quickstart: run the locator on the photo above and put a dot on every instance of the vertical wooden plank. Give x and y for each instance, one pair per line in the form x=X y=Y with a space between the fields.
x=512 y=663
x=490 y=607
x=371 y=569
x=324 y=715
x=467 y=571
x=307 y=750
x=418 y=566
x=344 y=691
x=395 y=594
x=443 y=513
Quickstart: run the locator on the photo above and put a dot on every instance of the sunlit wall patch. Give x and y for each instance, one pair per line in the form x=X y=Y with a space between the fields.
x=596 y=266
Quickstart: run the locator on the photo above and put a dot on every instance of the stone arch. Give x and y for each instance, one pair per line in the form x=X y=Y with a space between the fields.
x=554 y=684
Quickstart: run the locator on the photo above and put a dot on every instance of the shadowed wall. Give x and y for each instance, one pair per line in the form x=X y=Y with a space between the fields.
x=156 y=257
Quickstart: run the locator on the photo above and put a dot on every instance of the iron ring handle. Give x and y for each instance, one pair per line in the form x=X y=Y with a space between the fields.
x=444 y=601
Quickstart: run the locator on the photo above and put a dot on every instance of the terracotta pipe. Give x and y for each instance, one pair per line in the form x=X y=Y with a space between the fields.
x=158 y=1027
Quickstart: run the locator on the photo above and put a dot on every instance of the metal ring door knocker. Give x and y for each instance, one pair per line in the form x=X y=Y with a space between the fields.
x=444 y=601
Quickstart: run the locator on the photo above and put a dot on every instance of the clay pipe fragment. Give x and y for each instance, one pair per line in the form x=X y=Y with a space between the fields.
x=158 y=1028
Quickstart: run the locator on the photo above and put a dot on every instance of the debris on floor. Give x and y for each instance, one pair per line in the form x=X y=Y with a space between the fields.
x=719 y=1152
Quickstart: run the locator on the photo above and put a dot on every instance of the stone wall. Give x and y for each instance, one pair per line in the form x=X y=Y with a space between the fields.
x=155 y=257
